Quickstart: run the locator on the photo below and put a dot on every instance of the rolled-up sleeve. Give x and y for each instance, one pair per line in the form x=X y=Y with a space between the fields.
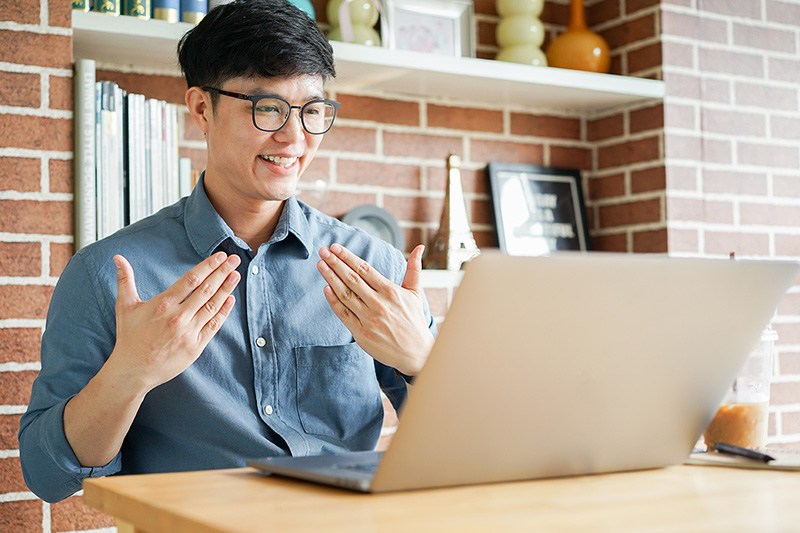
x=78 y=338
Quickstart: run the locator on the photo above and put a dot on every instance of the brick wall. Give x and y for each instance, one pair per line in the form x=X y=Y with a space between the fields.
x=731 y=145
x=652 y=185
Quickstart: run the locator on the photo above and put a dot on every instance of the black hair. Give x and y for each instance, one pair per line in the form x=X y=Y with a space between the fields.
x=254 y=38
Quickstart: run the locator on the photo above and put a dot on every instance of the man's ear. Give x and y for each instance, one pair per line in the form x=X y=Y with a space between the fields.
x=198 y=102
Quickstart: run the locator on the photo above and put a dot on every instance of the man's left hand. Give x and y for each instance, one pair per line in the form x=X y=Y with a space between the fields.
x=386 y=319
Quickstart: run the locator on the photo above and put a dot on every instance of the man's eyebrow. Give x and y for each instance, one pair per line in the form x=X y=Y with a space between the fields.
x=273 y=94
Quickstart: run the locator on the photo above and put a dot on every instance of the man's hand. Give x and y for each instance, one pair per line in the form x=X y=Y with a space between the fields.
x=387 y=320
x=160 y=338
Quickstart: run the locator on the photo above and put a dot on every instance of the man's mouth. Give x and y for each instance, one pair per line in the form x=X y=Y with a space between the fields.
x=284 y=162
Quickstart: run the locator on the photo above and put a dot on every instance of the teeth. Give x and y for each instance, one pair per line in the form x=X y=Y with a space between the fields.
x=281 y=161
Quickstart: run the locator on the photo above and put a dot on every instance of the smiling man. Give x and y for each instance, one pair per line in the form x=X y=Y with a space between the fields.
x=238 y=322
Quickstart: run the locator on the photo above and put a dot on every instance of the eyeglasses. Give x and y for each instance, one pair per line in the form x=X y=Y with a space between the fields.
x=271 y=113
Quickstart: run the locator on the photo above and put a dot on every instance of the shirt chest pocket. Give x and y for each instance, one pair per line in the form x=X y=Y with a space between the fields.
x=337 y=393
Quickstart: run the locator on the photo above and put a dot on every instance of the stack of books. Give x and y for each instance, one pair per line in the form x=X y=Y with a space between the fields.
x=127 y=163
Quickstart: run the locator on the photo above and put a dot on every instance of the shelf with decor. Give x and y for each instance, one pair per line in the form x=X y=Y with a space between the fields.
x=149 y=46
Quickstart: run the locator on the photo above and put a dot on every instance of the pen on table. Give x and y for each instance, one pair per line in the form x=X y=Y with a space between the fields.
x=730 y=449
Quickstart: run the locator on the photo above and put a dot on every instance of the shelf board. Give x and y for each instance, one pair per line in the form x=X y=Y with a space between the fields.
x=149 y=46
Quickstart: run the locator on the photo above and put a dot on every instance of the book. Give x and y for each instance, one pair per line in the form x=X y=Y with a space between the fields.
x=137 y=8
x=109 y=7
x=784 y=459
x=84 y=155
x=168 y=10
x=193 y=11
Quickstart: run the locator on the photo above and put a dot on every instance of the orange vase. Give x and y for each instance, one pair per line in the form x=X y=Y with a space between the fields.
x=579 y=48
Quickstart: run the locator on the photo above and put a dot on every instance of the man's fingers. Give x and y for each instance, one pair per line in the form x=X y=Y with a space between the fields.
x=214 y=304
x=204 y=293
x=343 y=292
x=126 y=284
x=185 y=286
x=348 y=318
x=413 y=278
x=215 y=322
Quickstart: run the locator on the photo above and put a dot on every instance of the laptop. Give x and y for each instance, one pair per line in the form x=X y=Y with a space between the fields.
x=567 y=365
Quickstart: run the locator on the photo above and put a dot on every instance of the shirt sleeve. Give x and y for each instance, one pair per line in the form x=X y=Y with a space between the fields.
x=78 y=338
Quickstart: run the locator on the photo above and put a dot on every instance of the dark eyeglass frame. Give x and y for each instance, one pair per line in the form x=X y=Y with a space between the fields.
x=253 y=99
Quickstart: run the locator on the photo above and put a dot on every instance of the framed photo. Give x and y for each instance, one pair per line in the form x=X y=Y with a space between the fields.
x=442 y=27
x=538 y=209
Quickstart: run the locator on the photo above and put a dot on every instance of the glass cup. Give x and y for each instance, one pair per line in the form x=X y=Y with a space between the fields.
x=742 y=417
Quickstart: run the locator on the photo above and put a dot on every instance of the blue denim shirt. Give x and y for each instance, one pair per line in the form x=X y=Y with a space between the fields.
x=282 y=376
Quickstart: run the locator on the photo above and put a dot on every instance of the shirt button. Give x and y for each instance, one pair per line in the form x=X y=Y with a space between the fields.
x=261 y=342
x=254 y=270
x=268 y=410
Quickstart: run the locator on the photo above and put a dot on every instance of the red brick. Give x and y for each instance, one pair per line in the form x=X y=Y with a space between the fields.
x=629 y=31
x=765 y=96
x=743 y=244
x=24 y=301
x=169 y=88
x=74 y=515
x=627 y=152
x=487 y=33
x=36 y=133
x=648 y=242
x=22 y=90
x=38 y=49
x=320 y=10
x=607 y=186
x=20 y=259
x=768 y=155
x=60 y=253
x=480 y=212
x=648 y=118
x=485 y=239
x=555 y=14
x=59 y=14
x=601 y=12
x=30 y=216
x=463 y=118
x=472 y=181
x=199 y=156
x=60 y=175
x=650 y=179
x=20 y=174
x=617 y=242
x=570 y=157
x=396 y=176
x=644 y=58
x=319 y=169
x=632 y=6
x=19 y=345
x=507 y=152
x=631 y=212
x=345 y=139
x=21 y=12
x=545 y=126
x=605 y=128
x=485 y=7
x=420 y=145
x=21 y=516
x=11 y=475
x=61 y=92
x=375 y=109
x=337 y=203
x=9 y=427
x=414 y=208
x=191 y=131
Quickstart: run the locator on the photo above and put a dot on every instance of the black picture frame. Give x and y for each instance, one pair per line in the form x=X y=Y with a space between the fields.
x=537 y=209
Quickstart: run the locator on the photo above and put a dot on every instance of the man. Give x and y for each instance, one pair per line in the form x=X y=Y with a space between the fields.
x=238 y=322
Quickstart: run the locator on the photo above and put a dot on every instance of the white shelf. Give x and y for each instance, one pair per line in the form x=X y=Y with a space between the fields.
x=150 y=46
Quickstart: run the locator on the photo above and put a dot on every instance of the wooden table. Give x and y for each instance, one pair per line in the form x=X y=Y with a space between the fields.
x=679 y=498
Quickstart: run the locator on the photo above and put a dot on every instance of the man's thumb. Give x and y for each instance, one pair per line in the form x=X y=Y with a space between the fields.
x=413 y=277
x=126 y=285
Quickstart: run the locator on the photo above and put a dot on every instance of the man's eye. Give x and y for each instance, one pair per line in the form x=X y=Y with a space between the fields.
x=267 y=109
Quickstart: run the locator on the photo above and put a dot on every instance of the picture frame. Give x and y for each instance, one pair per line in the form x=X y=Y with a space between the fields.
x=444 y=27
x=537 y=209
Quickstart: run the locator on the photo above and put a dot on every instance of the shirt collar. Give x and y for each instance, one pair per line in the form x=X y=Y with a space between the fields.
x=207 y=230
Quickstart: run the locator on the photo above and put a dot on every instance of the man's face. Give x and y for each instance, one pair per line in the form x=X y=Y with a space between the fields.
x=246 y=164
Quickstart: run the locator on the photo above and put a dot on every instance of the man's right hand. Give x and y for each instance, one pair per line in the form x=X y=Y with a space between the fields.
x=160 y=338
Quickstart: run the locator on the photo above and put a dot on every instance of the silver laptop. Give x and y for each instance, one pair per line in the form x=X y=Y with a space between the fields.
x=567 y=365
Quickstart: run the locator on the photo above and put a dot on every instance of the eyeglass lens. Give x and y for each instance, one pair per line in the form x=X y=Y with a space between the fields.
x=272 y=114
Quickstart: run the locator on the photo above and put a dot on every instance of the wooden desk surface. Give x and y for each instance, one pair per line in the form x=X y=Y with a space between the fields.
x=680 y=498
